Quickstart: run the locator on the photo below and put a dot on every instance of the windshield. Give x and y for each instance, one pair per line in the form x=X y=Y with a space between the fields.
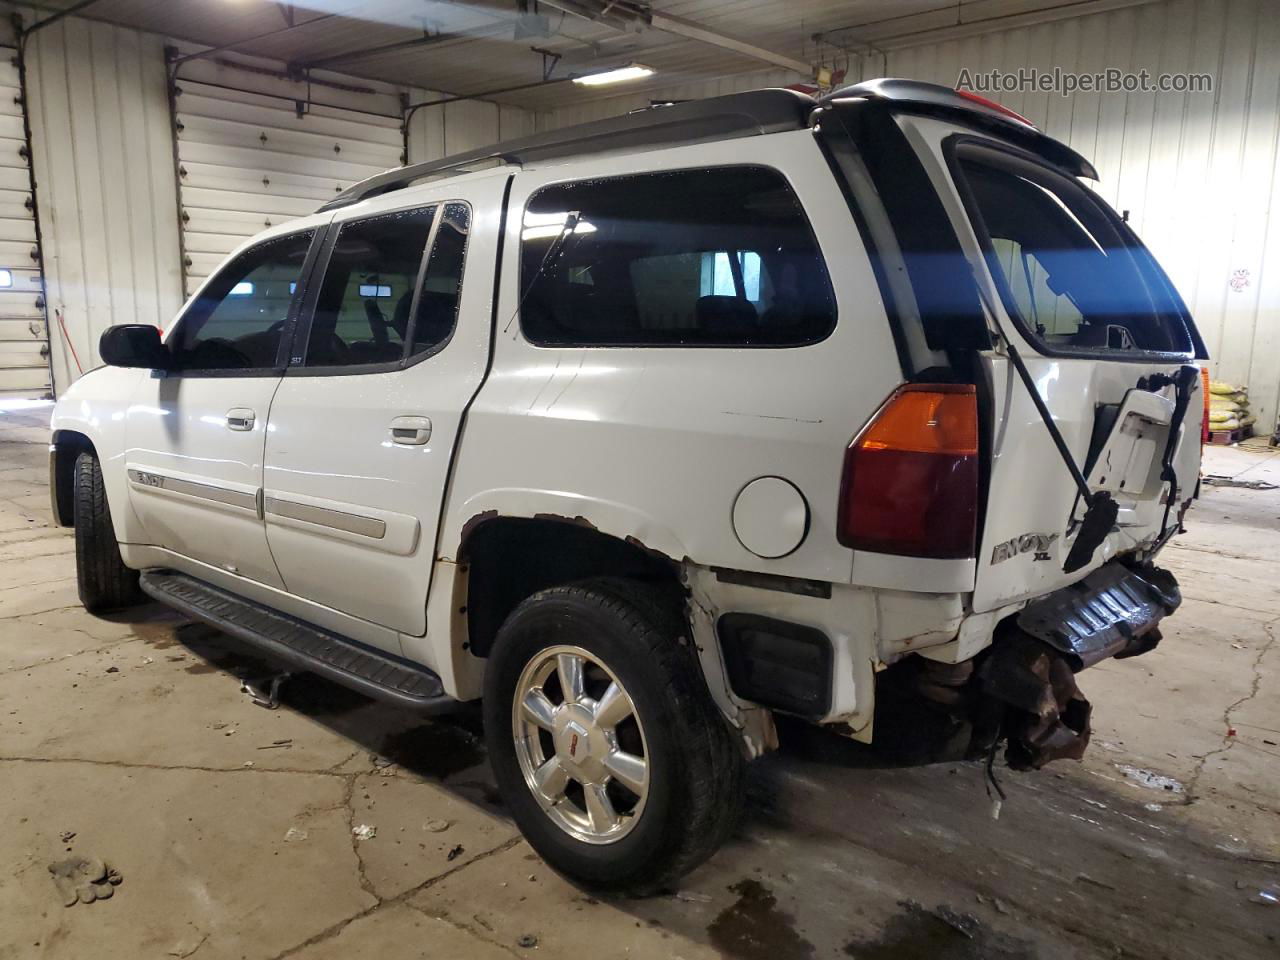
x=1070 y=272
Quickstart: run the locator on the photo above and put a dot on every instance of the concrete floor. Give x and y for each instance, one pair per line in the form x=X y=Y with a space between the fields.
x=232 y=825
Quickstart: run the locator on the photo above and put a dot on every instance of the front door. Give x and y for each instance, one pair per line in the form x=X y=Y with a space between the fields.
x=363 y=425
x=195 y=435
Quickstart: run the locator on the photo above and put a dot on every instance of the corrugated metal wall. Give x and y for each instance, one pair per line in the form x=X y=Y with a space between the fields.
x=104 y=154
x=24 y=333
x=104 y=178
x=448 y=128
x=1198 y=173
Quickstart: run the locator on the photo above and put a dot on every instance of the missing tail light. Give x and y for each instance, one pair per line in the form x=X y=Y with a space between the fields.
x=910 y=484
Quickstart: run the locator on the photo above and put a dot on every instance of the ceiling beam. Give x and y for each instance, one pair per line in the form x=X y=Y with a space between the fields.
x=626 y=17
x=426 y=39
x=693 y=31
x=210 y=51
x=971 y=19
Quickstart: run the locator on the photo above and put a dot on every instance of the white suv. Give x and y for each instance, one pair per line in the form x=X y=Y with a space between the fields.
x=862 y=409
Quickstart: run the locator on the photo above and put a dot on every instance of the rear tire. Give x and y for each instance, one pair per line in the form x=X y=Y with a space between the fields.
x=689 y=798
x=104 y=581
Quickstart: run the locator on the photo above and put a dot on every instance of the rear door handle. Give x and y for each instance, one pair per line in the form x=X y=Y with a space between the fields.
x=240 y=418
x=411 y=431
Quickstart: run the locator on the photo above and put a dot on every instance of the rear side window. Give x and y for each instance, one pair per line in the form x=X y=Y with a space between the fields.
x=381 y=301
x=717 y=257
x=1075 y=277
x=442 y=282
x=362 y=314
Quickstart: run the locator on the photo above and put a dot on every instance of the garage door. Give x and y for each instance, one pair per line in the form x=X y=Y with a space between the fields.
x=254 y=151
x=24 y=334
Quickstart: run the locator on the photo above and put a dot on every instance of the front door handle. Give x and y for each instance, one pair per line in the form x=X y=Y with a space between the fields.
x=240 y=418
x=411 y=431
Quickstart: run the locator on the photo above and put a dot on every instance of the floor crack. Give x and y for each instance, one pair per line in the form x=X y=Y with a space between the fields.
x=110 y=645
x=132 y=765
x=348 y=802
x=1228 y=739
x=334 y=930
x=36 y=613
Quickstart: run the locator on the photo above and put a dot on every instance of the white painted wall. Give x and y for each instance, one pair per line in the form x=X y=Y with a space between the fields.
x=1198 y=173
x=103 y=148
x=24 y=339
x=104 y=180
x=450 y=128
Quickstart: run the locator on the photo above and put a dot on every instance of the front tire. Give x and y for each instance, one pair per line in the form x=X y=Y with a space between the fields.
x=613 y=759
x=104 y=581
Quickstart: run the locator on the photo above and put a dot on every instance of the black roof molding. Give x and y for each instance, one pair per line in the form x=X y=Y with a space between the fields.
x=717 y=118
x=931 y=99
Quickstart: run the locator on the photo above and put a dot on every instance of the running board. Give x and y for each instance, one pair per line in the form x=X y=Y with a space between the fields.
x=300 y=644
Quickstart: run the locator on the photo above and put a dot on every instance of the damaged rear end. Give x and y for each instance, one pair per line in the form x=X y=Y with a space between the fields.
x=1006 y=275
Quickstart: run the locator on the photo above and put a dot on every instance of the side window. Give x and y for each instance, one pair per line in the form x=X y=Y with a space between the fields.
x=442 y=283
x=722 y=256
x=366 y=298
x=236 y=322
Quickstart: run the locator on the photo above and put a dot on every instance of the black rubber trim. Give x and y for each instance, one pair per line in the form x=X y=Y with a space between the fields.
x=301 y=644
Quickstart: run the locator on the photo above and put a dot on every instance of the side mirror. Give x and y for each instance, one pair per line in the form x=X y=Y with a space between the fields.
x=134 y=345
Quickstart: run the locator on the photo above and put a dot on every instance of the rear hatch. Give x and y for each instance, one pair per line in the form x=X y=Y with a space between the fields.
x=1104 y=339
x=1065 y=285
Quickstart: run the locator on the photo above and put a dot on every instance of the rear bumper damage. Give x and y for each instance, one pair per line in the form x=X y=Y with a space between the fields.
x=1023 y=688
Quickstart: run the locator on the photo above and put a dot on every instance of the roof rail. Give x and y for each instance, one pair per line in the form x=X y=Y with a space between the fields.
x=717 y=118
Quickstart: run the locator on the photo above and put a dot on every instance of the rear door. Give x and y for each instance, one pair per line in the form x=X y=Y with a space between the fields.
x=363 y=426
x=1101 y=331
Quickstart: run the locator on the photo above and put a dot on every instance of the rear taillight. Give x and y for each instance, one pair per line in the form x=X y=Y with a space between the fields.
x=910 y=483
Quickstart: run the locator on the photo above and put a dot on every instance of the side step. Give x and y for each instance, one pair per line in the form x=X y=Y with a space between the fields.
x=300 y=644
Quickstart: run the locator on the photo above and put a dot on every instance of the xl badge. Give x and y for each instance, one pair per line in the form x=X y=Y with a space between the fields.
x=1037 y=543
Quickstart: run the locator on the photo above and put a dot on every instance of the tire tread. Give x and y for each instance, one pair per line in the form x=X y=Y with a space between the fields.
x=104 y=582
x=711 y=766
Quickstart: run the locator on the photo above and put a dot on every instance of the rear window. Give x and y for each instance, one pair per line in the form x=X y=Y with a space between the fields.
x=718 y=257
x=1071 y=273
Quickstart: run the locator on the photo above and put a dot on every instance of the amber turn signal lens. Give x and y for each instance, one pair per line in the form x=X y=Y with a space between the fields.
x=910 y=484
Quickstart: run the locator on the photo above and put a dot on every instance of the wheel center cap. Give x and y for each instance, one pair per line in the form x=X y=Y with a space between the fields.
x=577 y=742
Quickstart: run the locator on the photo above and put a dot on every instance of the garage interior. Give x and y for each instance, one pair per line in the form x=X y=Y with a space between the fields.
x=141 y=141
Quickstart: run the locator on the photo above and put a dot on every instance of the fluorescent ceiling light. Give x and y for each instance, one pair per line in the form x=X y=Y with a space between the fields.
x=635 y=71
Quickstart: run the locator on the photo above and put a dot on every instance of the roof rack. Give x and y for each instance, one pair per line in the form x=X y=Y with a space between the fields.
x=718 y=118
